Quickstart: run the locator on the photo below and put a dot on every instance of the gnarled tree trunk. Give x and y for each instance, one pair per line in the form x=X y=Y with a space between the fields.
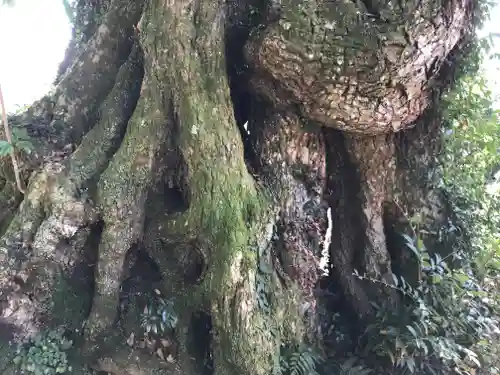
x=195 y=148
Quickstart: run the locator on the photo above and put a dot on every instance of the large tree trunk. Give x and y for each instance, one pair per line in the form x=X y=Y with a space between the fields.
x=195 y=148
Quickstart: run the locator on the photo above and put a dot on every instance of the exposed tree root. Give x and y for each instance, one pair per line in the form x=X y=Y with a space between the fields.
x=88 y=82
x=223 y=200
x=373 y=159
x=56 y=210
x=359 y=242
x=92 y=156
x=123 y=190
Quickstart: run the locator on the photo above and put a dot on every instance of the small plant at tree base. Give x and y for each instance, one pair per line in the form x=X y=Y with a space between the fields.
x=300 y=360
x=351 y=366
x=159 y=315
x=447 y=315
x=21 y=141
x=44 y=355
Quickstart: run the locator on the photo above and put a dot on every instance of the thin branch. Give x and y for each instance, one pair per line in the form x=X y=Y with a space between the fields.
x=8 y=136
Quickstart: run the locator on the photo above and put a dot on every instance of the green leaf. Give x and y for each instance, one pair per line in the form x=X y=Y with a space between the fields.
x=420 y=244
x=461 y=278
x=5 y=148
x=25 y=146
x=399 y=344
x=412 y=331
x=436 y=279
x=410 y=363
x=410 y=244
x=20 y=134
x=395 y=279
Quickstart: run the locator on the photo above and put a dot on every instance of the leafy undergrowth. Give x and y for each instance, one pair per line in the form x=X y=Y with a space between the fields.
x=46 y=354
x=450 y=323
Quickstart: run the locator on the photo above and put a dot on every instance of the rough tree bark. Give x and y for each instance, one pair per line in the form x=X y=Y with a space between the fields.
x=195 y=147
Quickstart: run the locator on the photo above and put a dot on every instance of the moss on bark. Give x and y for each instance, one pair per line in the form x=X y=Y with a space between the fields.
x=186 y=51
x=122 y=193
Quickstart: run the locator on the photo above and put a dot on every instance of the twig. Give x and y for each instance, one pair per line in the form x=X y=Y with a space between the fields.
x=8 y=136
x=406 y=216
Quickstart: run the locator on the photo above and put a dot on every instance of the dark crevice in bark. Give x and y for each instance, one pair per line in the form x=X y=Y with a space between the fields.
x=175 y=168
x=170 y=196
x=348 y=236
x=142 y=274
x=174 y=199
x=371 y=9
x=171 y=193
x=403 y=261
x=241 y=100
x=90 y=256
x=143 y=264
x=200 y=342
x=254 y=121
x=285 y=153
x=192 y=264
x=242 y=18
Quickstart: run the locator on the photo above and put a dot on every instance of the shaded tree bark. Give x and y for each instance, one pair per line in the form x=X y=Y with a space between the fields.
x=194 y=148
